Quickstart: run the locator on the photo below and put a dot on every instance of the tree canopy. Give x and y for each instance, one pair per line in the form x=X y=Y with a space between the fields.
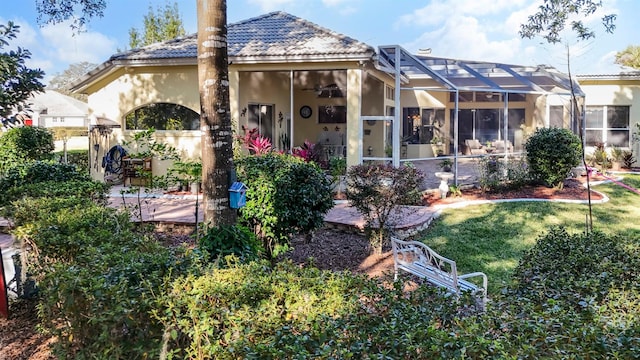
x=61 y=82
x=17 y=81
x=159 y=25
x=629 y=57
x=553 y=16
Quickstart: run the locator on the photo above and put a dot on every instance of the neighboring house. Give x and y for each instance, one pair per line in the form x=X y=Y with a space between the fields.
x=612 y=109
x=297 y=81
x=52 y=109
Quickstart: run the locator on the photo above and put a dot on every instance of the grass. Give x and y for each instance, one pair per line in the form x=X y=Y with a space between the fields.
x=492 y=238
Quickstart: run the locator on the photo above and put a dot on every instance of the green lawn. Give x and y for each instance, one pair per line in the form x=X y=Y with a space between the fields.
x=492 y=238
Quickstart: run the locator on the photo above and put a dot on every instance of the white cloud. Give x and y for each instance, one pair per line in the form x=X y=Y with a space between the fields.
x=439 y=11
x=463 y=38
x=64 y=46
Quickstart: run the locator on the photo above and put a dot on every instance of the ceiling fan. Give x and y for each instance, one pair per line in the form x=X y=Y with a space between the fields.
x=332 y=90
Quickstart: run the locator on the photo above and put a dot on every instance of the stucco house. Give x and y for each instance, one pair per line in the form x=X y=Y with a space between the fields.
x=296 y=81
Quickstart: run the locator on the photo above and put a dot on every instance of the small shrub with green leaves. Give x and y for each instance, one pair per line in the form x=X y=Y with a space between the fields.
x=25 y=144
x=79 y=158
x=628 y=159
x=255 y=311
x=495 y=174
x=285 y=196
x=224 y=240
x=574 y=296
x=551 y=154
x=376 y=190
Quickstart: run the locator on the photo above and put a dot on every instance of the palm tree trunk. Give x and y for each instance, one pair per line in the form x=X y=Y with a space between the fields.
x=215 y=117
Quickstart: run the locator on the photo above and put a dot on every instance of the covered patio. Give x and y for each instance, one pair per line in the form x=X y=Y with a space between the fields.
x=457 y=109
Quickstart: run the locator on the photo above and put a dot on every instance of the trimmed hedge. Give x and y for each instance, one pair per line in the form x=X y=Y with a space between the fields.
x=551 y=154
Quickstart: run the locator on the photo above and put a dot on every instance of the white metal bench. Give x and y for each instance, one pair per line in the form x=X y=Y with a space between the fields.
x=420 y=260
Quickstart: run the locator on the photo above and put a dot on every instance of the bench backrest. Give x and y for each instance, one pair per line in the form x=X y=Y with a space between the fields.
x=413 y=255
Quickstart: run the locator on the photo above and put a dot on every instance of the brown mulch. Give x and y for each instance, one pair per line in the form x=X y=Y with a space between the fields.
x=327 y=249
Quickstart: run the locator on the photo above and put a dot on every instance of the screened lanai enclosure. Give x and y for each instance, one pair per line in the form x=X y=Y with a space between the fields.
x=464 y=109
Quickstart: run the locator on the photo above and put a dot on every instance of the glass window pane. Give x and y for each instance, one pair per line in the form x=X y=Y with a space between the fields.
x=618 y=117
x=618 y=138
x=556 y=116
x=487 y=97
x=517 y=97
x=594 y=117
x=593 y=137
x=162 y=116
x=465 y=96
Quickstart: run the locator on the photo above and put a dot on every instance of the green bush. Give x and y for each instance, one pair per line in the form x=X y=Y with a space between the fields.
x=574 y=296
x=376 y=189
x=551 y=154
x=86 y=190
x=254 y=311
x=495 y=174
x=224 y=240
x=285 y=196
x=24 y=144
x=78 y=158
x=96 y=277
x=103 y=309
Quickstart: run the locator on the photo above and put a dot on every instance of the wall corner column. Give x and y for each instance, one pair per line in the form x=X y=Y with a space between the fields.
x=354 y=110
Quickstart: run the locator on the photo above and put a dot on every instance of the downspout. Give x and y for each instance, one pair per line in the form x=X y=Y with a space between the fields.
x=505 y=125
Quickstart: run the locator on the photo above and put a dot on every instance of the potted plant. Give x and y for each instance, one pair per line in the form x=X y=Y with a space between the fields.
x=616 y=158
x=338 y=172
x=188 y=173
x=445 y=165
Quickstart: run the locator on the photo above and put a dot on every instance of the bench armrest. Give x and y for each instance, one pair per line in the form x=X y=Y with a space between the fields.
x=475 y=274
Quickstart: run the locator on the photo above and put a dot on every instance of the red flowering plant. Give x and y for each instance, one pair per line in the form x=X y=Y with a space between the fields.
x=308 y=151
x=260 y=145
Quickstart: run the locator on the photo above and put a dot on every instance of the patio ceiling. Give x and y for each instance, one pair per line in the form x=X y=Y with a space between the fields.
x=463 y=75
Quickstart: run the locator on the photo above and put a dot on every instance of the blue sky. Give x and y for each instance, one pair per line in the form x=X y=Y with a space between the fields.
x=484 y=30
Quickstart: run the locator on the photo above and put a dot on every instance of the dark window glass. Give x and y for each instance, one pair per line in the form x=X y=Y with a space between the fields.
x=163 y=116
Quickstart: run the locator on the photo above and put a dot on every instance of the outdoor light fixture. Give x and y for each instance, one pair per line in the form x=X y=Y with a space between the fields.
x=369 y=150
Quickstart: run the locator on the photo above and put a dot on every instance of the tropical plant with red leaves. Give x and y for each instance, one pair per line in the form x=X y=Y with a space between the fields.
x=260 y=145
x=308 y=151
x=247 y=136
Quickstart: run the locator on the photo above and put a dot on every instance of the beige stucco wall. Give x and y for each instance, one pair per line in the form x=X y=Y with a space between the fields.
x=131 y=88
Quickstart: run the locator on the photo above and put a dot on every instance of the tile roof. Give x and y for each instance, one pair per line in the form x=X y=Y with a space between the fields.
x=276 y=34
x=58 y=104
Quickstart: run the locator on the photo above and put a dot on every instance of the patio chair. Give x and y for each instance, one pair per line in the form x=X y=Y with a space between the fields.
x=499 y=146
x=474 y=147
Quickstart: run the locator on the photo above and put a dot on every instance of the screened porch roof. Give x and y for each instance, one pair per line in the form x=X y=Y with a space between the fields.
x=462 y=75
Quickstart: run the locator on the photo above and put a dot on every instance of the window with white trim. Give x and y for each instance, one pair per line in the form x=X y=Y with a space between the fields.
x=607 y=124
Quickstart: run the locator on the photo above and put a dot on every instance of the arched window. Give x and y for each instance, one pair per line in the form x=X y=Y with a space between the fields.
x=162 y=116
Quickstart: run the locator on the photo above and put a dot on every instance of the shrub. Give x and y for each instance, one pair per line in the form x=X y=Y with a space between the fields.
x=574 y=296
x=226 y=240
x=24 y=144
x=375 y=190
x=253 y=311
x=551 y=154
x=79 y=158
x=102 y=309
x=96 y=277
x=497 y=174
x=285 y=196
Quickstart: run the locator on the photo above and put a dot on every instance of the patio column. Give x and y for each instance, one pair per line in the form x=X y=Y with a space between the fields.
x=234 y=97
x=354 y=109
